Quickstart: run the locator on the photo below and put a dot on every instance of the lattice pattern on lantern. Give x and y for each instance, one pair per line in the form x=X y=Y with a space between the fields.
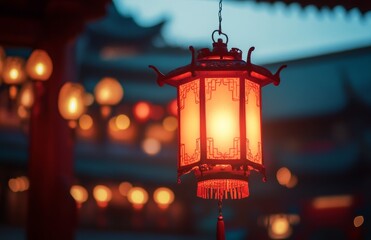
x=253 y=117
x=222 y=122
x=231 y=153
x=189 y=113
x=222 y=189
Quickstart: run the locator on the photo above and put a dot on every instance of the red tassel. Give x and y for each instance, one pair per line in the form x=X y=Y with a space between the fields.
x=220 y=234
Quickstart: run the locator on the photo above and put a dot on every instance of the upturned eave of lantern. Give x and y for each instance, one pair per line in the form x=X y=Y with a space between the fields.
x=222 y=61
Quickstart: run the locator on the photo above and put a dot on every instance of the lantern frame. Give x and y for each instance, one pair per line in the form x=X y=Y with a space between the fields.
x=220 y=63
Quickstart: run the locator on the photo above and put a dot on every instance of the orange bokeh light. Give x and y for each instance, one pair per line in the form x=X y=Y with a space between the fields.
x=79 y=193
x=138 y=197
x=124 y=188
x=18 y=184
x=142 y=111
x=151 y=146
x=108 y=91
x=102 y=194
x=170 y=123
x=26 y=95
x=86 y=122
x=13 y=71
x=70 y=102
x=122 y=122
x=163 y=197
x=358 y=221
x=39 y=65
x=283 y=176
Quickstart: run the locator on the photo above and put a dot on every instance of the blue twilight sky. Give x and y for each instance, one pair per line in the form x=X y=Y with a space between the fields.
x=279 y=32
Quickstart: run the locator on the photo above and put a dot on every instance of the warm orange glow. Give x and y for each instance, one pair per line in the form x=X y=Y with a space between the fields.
x=138 y=197
x=88 y=99
x=72 y=124
x=341 y=201
x=13 y=92
x=79 y=193
x=108 y=91
x=151 y=146
x=222 y=118
x=13 y=72
x=26 y=95
x=71 y=101
x=358 y=221
x=280 y=228
x=158 y=132
x=39 y=65
x=122 y=122
x=173 y=107
x=293 y=182
x=18 y=184
x=157 y=112
x=142 y=111
x=124 y=188
x=253 y=128
x=170 y=123
x=102 y=195
x=189 y=106
x=126 y=135
x=283 y=176
x=163 y=197
x=22 y=112
x=86 y=122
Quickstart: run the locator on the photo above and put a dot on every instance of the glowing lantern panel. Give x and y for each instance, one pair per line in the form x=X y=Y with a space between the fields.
x=219 y=109
x=39 y=65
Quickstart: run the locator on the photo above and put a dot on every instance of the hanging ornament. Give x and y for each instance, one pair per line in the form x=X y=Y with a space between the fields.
x=219 y=110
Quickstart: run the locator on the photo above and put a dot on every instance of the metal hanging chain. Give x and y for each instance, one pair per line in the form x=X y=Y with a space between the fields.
x=219 y=31
x=220 y=16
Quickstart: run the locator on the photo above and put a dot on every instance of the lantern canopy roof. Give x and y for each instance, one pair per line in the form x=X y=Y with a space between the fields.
x=219 y=59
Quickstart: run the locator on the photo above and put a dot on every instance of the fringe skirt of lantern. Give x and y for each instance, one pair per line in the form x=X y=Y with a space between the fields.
x=222 y=189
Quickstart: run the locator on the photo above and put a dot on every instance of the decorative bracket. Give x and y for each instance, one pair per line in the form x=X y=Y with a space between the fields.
x=160 y=76
x=276 y=76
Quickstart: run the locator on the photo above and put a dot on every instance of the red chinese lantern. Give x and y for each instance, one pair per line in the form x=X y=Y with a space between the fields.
x=219 y=114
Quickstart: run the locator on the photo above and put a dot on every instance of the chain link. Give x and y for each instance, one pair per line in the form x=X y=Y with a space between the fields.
x=220 y=16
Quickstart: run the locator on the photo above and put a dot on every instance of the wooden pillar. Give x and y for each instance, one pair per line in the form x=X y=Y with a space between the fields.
x=52 y=210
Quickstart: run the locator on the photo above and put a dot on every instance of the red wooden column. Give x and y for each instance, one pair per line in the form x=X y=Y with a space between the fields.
x=52 y=210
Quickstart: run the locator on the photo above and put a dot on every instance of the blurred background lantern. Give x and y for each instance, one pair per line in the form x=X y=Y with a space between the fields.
x=102 y=195
x=108 y=92
x=26 y=99
x=137 y=196
x=13 y=74
x=80 y=194
x=39 y=65
x=163 y=197
x=26 y=95
x=71 y=102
